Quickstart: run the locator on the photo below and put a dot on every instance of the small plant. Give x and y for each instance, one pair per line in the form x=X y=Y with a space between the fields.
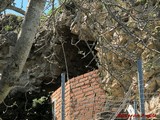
x=19 y=18
x=43 y=17
x=39 y=101
x=8 y=28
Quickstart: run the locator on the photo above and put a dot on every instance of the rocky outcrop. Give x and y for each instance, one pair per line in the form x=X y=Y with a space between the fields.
x=51 y=53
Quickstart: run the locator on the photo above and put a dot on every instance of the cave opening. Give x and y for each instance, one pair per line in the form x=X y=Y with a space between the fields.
x=80 y=56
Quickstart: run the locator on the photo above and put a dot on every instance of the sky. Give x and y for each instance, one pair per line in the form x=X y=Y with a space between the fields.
x=23 y=5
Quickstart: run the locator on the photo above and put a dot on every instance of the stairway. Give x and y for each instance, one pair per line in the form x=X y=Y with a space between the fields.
x=103 y=115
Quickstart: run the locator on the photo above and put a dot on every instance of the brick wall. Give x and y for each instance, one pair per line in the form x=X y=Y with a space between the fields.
x=83 y=98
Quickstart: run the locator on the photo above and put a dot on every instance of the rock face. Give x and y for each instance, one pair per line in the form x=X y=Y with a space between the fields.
x=53 y=51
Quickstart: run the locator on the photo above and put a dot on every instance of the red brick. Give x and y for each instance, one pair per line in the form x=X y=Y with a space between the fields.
x=88 y=74
x=83 y=79
x=94 y=81
x=79 y=77
x=89 y=93
x=76 y=88
x=87 y=82
x=85 y=86
x=74 y=83
x=76 y=93
x=81 y=99
x=87 y=89
x=80 y=84
x=95 y=76
x=67 y=87
x=80 y=96
x=71 y=80
x=97 y=87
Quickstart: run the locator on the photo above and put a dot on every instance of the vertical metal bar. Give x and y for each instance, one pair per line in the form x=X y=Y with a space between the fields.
x=53 y=110
x=141 y=89
x=63 y=96
x=135 y=110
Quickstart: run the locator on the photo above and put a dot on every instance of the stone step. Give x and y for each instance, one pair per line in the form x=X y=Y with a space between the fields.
x=103 y=115
x=106 y=115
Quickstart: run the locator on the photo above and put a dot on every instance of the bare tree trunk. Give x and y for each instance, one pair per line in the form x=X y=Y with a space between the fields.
x=23 y=46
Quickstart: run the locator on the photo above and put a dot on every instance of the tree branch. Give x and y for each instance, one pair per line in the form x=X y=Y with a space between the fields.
x=4 y=4
x=16 y=9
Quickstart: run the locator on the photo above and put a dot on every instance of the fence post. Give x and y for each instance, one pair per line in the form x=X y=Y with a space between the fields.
x=63 y=96
x=135 y=110
x=141 y=89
